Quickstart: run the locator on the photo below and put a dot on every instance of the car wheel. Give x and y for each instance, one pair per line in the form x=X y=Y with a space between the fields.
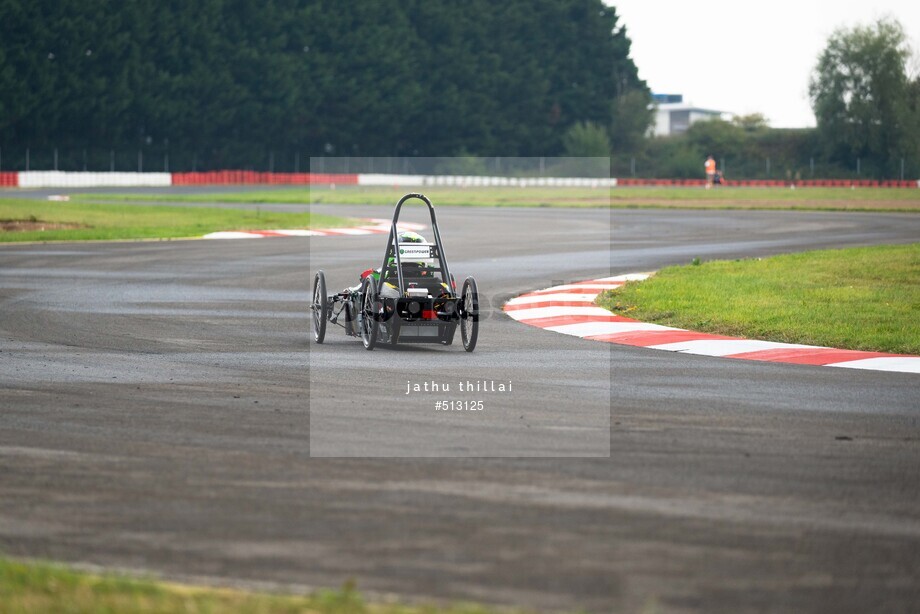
x=370 y=321
x=320 y=307
x=469 y=314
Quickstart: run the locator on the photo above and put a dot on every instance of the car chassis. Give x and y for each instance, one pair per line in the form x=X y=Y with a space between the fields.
x=410 y=304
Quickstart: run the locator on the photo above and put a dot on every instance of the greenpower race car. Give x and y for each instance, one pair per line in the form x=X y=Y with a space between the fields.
x=411 y=298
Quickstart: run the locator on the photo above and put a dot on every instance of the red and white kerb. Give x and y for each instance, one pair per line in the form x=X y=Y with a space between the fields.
x=569 y=309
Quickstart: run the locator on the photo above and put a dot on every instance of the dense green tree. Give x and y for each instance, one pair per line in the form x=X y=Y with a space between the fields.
x=630 y=118
x=716 y=137
x=755 y=122
x=743 y=148
x=586 y=140
x=861 y=95
x=223 y=83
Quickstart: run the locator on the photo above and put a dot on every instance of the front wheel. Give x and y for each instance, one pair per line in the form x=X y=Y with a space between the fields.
x=469 y=314
x=370 y=321
x=320 y=307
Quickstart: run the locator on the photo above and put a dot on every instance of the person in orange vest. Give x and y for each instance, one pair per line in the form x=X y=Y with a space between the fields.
x=710 y=171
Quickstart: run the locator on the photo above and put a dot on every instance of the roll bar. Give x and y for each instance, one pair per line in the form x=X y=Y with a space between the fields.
x=393 y=245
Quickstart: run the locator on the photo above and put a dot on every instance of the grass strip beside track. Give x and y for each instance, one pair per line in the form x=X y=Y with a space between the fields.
x=42 y=587
x=860 y=299
x=831 y=199
x=72 y=221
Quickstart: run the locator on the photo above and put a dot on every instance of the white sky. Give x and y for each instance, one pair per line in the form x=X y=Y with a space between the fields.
x=744 y=57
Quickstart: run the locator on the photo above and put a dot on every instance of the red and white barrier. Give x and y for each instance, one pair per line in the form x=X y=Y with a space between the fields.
x=778 y=183
x=66 y=179
x=257 y=178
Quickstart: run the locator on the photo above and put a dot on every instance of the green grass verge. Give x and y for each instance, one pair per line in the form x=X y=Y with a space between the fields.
x=861 y=299
x=41 y=587
x=834 y=199
x=470 y=197
x=73 y=221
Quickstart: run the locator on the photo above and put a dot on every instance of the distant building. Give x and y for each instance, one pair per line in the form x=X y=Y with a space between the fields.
x=667 y=98
x=674 y=116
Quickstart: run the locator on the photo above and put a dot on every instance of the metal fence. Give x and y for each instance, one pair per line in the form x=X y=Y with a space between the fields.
x=684 y=166
x=786 y=169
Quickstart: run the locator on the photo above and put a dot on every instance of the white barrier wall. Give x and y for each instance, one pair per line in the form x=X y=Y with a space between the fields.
x=400 y=180
x=478 y=181
x=63 y=179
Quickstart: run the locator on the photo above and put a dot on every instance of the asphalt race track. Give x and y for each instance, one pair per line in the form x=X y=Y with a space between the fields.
x=156 y=416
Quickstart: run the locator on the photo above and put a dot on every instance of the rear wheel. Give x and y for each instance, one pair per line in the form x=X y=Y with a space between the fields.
x=320 y=307
x=370 y=322
x=469 y=314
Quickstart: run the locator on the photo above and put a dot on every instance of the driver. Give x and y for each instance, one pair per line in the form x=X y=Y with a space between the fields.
x=388 y=289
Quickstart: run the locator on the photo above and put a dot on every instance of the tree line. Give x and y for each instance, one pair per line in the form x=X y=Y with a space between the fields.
x=237 y=83
x=171 y=85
